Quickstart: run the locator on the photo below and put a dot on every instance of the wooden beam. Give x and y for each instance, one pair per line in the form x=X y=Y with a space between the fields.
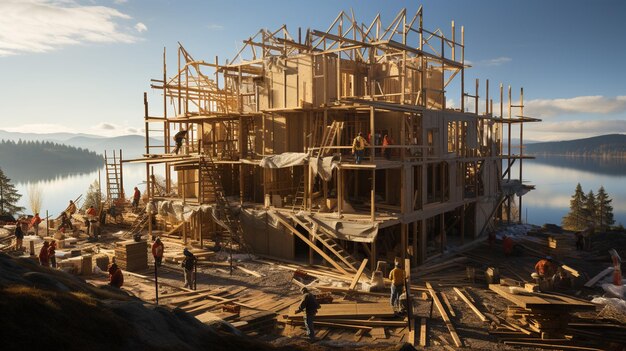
x=423 y=332
x=598 y=276
x=447 y=302
x=358 y=274
x=470 y=304
x=444 y=316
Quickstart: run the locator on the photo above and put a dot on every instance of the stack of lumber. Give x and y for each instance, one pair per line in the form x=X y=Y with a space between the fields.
x=131 y=255
x=257 y=323
x=201 y=254
x=546 y=314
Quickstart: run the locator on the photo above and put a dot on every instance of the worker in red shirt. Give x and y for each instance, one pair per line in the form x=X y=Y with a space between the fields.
x=34 y=223
x=157 y=251
x=116 y=279
x=91 y=211
x=545 y=267
x=136 y=197
x=43 y=255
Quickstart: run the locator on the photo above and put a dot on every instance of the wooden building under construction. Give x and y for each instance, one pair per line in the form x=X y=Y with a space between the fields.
x=268 y=158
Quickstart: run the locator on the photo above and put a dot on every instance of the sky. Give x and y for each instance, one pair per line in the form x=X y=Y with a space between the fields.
x=82 y=66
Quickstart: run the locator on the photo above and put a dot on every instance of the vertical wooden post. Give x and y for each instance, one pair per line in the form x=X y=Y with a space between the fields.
x=415 y=246
x=403 y=243
x=521 y=149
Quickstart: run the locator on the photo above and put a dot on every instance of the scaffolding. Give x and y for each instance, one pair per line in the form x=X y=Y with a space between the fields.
x=277 y=123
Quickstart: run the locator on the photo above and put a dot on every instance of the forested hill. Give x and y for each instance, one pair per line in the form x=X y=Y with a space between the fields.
x=611 y=145
x=24 y=159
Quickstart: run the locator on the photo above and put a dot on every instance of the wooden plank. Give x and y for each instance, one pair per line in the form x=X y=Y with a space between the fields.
x=551 y=346
x=282 y=221
x=369 y=323
x=251 y=272
x=423 y=332
x=598 y=276
x=444 y=316
x=350 y=310
x=447 y=302
x=333 y=325
x=572 y=271
x=358 y=274
x=470 y=304
x=543 y=301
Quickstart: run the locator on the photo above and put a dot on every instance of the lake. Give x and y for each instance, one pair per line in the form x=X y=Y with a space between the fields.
x=555 y=178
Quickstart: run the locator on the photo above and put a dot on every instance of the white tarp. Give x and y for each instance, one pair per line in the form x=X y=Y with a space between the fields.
x=284 y=160
x=324 y=166
x=345 y=230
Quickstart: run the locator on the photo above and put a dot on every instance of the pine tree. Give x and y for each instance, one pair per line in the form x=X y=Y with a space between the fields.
x=576 y=218
x=8 y=196
x=590 y=208
x=93 y=197
x=604 y=210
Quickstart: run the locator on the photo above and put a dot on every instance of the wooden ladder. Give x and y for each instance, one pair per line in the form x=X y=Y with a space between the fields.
x=298 y=200
x=211 y=184
x=138 y=225
x=329 y=138
x=113 y=169
x=329 y=242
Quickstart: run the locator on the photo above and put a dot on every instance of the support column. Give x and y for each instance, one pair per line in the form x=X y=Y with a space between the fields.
x=422 y=241
x=403 y=240
x=415 y=255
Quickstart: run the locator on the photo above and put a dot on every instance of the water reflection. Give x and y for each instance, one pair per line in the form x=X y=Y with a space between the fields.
x=556 y=177
x=58 y=189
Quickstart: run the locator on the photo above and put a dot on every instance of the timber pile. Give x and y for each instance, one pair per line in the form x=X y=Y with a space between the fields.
x=251 y=311
x=131 y=255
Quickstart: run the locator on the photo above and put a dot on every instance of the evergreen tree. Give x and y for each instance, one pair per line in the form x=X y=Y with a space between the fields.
x=590 y=208
x=8 y=196
x=576 y=218
x=604 y=210
x=93 y=196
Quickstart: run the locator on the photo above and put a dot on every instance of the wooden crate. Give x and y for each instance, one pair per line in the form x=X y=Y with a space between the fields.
x=131 y=255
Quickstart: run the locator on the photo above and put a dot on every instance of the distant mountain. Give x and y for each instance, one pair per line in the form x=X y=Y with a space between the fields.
x=610 y=145
x=133 y=146
x=34 y=160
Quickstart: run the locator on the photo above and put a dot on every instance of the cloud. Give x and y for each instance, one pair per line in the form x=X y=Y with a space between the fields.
x=43 y=128
x=105 y=126
x=140 y=27
x=132 y=130
x=496 y=61
x=215 y=26
x=120 y=1
x=580 y=127
x=28 y=26
x=596 y=104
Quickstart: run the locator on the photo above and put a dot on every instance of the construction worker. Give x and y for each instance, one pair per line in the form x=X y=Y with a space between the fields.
x=91 y=212
x=19 y=236
x=188 y=264
x=43 y=255
x=358 y=147
x=71 y=209
x=546 y=267
x=52 y=253
x=157 y=251
x=136 y=197
x=116 y=278
x=386 y=150
x=178 y=138
x=397 y=277
x=34 y=223
x=309 y=305
x=65 y=222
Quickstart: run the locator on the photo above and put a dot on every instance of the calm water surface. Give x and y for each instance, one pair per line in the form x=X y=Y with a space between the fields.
x=555 y=179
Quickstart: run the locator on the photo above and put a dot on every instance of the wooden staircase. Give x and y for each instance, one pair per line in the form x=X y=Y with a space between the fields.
x=320 y=234
x=211 y=191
